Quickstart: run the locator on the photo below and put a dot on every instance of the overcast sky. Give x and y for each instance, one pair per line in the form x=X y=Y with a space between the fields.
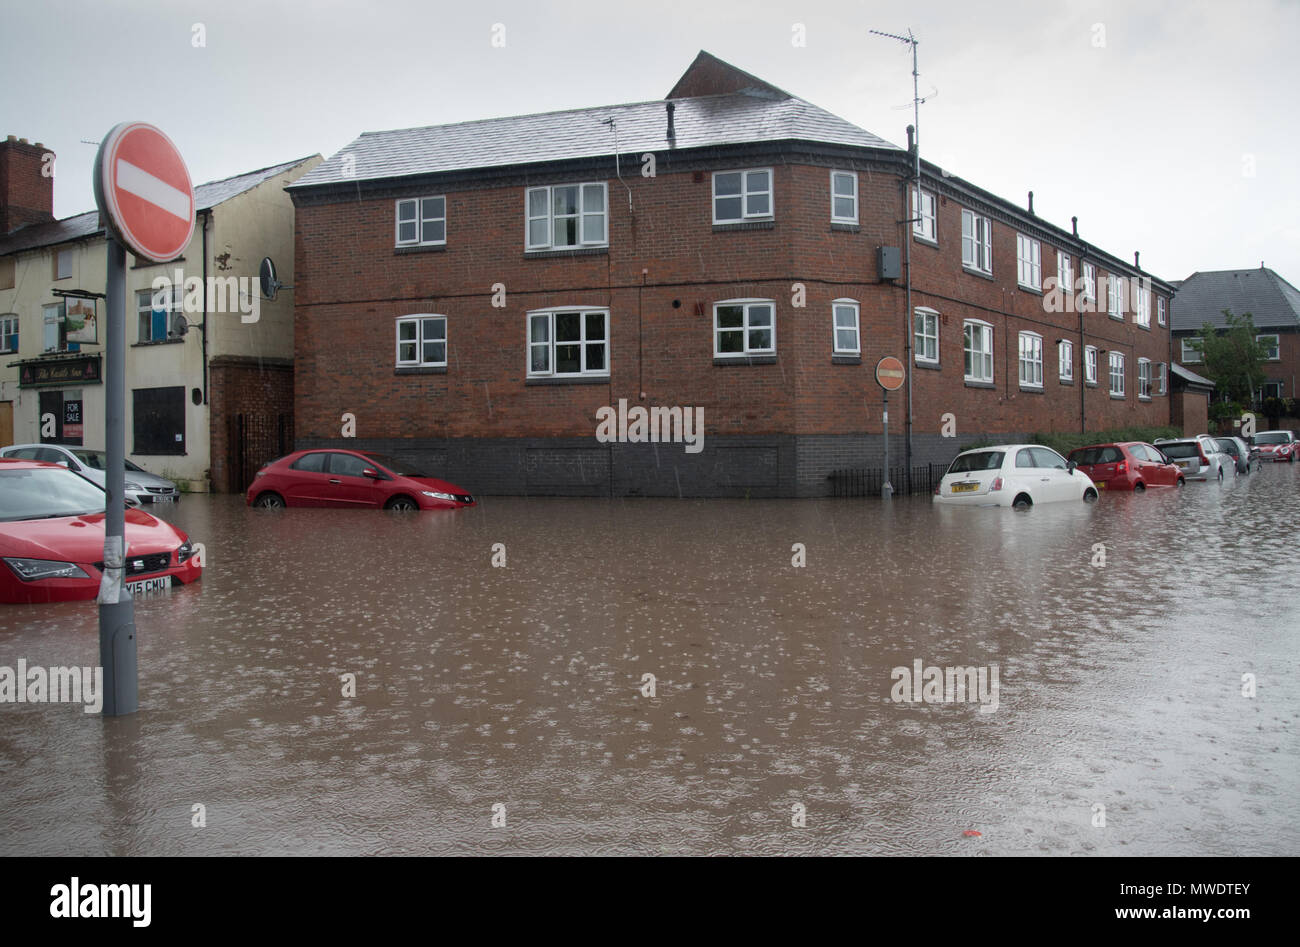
x=1167 y=127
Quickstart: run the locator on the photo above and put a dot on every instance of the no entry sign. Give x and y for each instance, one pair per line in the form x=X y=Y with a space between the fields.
x=889 y=373
x=143 y=191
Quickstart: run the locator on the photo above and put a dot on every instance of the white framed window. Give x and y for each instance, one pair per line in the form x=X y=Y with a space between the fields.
x=742 y=195
x=565 y=216
x=1090 y=283
x=1142 y=305
x=1029 y=263
x=1065 y=360
x=744 y=327
x=1115 y=296
x=844 y=197
x=62 y=264
x=978 y=344
x=1162 y=378
x=568 y=341
x=845 y=316
x=422 y=341
x=1065 y=273
x=1272 y=347
x=9 y=332
x=1031 y=360
x=1117 y=374
x=1090 y=364
x=1191 y=350
x=925 y=330
x=154 y=310
x=421 y=222
x=976 y=242
x=924 y=222
x=1144 y=379
x=1160 y=310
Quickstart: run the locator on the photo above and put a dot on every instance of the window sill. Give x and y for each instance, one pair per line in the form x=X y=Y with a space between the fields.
x=1115 y=397
x=768 y=223
x=1090 y=384
x=145 y=345
x=917 y=238
x=420 y=248
x=846 y=359
x=1069 y=382
x=980 y=384
x=980 y=273
x=1144 y=397
x=841 y=226
x=744 y=360
x=566 y=252
x=1036 y=290
x=420 y=370
x=932 y=366
x=1119 y=318
x=569 y=380
x=1031 y=389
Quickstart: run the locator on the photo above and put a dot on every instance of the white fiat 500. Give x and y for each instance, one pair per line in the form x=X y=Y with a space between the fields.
x=1018 y=475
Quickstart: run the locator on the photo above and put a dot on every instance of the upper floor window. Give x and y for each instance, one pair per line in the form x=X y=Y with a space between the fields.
x=844 y=197
x=8 y=269
x=1031 y=360
x=1271 y=346
x=568 y=342
x=1115 y=296
x=566 y=216
x=1162 y=378
x=154 y=310
x=422 y=341
x=1064 y=272
x=924 y=224
x=976 y=242
x=1117 y=374
x=1090 y=364
x=1029 y=264
x=845 y=312
x=1191 y=350
x=926 y=332
x=62 y=264
x=744 y=327
x=9 y=332
x=1142 y=305
x=978 y=337
x=742 y=195
x=1089 y=282
x=1065 y=360
x=422 y=221
x=1144 y=379
x=1160 y=310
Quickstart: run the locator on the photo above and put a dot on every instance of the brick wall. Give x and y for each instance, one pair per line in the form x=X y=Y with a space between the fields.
x=26 y=194
x=251 y=410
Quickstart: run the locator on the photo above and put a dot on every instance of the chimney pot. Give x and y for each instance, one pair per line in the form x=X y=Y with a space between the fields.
x=1074 y=223
x=672 y=130
x=1031 y=202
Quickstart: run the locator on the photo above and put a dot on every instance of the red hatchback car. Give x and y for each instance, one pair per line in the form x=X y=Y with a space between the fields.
x=1129 y=465
x=52 y=538
x=353 y=479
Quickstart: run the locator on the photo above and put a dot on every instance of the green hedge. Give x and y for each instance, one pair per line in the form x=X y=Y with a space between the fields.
x=1063 y=443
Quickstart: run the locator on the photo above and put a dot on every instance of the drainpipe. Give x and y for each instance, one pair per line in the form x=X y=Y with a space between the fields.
x=1083 y=346
x=909 y=362
x=203 y=326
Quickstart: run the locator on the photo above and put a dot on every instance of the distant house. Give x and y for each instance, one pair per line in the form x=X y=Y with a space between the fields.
x=1274 y=307
x=209 y=381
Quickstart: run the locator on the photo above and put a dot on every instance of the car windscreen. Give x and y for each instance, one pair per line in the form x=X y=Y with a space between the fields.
x=1181 y=449
x=45 y=492
x=978 y=460
x=399 y=467
x=1270 y=439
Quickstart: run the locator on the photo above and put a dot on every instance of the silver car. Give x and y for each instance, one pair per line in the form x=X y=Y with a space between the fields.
x=1242 y=453
x=141 y=486
x=1198 y=458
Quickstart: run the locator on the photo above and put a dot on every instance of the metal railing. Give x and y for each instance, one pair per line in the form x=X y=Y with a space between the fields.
x=868 y=481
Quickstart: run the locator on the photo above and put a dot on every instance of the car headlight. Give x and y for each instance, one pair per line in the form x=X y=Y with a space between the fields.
x=33 y=570
x=133 y=487
x=185 y=550
x=449 y=497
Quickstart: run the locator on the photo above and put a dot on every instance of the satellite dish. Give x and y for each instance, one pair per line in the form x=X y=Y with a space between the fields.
x=178 y=327
x=266 y=274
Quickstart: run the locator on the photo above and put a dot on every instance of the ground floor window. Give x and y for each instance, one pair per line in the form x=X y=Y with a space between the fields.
x=158 y=416
x=568 y=342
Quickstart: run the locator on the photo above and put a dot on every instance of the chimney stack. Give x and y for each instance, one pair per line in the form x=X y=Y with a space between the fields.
x=1136 y=264
x=26 y=184
x=1074 y=224
x=672 y=129
x=1031 y=202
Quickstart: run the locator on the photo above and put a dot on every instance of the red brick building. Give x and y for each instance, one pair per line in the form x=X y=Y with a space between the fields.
x=473 y=295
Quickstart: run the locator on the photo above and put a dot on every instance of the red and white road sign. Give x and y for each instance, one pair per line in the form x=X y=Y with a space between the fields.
x=889 y=373
x=144 y=192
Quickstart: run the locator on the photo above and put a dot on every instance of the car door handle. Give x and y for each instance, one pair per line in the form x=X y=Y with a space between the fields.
x=332 y=480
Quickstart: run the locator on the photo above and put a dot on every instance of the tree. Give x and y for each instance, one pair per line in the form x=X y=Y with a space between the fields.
x=1232 y=358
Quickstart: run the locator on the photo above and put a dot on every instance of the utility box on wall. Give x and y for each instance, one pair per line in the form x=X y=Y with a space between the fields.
x=889 y=263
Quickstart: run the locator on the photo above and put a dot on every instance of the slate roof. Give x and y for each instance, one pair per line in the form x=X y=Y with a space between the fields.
x=206 y=196
x=1189 y=376
x=1272 y=302
x=754 y=114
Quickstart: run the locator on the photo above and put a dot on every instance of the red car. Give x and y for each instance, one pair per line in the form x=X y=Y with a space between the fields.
x=1129 y=465
x=52 y=538
x=351 y=478
x=1277 y=445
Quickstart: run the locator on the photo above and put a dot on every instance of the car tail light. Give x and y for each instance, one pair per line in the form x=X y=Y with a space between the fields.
x=1205 y=461
x=1121 y=467
x=996 y=485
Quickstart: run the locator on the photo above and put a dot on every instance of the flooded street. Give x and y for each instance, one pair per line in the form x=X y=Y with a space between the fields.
x=1120 y=684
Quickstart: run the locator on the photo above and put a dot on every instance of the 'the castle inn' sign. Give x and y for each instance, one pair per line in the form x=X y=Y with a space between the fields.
x=70 y=371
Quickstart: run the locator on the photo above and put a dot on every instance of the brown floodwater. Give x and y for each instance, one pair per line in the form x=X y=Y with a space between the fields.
x=516 y=691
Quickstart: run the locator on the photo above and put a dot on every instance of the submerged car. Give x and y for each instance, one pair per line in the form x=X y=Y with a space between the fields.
x=352 y=479
x=52 y=538
x=1198 y=458
x=1018 y=475
x=1126 y=465
x=1277 y=445
x=141 y=486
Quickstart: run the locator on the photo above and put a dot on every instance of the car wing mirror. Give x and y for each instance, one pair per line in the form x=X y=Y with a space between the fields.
x=1069 y=466
x=372 y=473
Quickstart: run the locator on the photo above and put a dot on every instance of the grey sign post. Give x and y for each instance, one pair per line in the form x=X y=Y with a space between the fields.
x=146 y=204
x=889 y=376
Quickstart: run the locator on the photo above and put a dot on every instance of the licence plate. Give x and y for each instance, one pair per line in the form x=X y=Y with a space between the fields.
x=164 y=498
x=965 y=487
x=1182 y=464
x=159 y=583
x=1101 y=484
